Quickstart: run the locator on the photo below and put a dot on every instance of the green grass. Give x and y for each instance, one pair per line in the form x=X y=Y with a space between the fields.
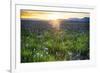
x=54 y=45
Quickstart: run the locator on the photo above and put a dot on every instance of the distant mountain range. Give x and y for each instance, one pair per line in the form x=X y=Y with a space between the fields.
x=85 y=19
x=33 y=25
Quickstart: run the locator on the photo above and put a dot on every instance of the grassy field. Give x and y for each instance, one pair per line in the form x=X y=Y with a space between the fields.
x=54 y=45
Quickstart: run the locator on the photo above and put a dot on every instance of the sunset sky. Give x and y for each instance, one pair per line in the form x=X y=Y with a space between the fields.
x=47 y=15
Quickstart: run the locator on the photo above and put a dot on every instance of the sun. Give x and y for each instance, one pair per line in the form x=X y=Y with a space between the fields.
x=54 y=16
x=55 y=23
x=54 y=20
